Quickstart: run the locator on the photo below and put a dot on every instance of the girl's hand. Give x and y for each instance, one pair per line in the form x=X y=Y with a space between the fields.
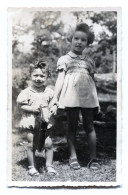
x=53 y=110
x=53 y=102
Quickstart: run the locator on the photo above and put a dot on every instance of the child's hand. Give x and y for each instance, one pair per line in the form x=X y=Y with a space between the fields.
x=53 y=110
x=53 y=102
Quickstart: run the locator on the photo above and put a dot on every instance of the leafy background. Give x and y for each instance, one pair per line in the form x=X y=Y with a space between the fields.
x=38 y=33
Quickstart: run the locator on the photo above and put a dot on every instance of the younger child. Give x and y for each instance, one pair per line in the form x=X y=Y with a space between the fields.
x=34 y=105
x=75 y=91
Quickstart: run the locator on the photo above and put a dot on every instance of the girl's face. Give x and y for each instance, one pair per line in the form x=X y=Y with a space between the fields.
x=38 y=77
x=79 y=42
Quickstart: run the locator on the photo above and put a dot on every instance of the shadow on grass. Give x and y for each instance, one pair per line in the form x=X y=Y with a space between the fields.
x=106 y=146
x=23 y=163
x=40 y=162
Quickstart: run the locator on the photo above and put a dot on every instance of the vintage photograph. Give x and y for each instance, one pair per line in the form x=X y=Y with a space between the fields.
x=64 y=97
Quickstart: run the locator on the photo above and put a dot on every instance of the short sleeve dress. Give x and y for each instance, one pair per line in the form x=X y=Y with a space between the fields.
x=30 y=97
x=79 y=89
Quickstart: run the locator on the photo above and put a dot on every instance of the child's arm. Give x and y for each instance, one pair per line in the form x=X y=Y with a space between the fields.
x=30 y=109
x=58 y=88
x=23 y=102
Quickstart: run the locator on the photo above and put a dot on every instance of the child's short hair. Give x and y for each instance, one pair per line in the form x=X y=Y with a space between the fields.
x=84 y=28
x=42 y=64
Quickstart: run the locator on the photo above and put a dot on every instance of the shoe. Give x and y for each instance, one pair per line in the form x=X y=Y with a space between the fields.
x=32 y=171
x=73 y=163
x=50 y=170
x=94 y=164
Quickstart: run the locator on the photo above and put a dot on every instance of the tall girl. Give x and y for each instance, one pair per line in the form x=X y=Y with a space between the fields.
x=75 y=91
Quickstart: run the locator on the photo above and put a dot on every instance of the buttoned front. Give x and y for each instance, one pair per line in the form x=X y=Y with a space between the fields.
x=79 y=88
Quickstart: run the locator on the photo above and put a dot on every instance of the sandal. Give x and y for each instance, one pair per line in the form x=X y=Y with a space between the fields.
x=73 y=163
x=94 y=164
x=32 y=171
x=50 y=170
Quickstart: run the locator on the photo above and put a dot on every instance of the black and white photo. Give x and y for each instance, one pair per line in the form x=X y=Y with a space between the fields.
x=64 y=97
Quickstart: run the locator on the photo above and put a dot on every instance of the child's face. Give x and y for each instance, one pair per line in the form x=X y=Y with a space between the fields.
x=38 y=77
x=79 y=42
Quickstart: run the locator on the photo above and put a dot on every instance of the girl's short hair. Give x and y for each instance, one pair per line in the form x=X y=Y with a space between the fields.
x=84 y=28
x=41 y=64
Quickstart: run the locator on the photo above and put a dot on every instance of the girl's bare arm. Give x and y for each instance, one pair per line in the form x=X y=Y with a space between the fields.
x=58 y=87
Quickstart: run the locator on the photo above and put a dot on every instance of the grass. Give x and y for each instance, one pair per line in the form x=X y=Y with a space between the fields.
x=106 y=151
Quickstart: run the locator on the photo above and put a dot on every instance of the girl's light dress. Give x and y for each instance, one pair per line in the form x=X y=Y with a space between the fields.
x=79 y=89
x=30 y=97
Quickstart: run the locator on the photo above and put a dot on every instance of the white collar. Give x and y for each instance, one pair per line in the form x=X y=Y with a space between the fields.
x=73 y=55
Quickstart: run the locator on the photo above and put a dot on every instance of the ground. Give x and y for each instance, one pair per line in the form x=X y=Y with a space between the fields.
x=106 y=151
x=106 y=143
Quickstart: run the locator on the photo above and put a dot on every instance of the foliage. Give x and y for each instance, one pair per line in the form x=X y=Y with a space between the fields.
x=20 y=78
x=19 y=82
x=49 y=38
x=46 y=36
x=107 y=19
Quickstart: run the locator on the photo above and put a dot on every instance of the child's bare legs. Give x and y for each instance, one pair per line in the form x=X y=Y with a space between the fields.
x=48 y=151
x=49 y=156
x=72 y=115
x=92 y=144
x=88 y=115
x=31 y=155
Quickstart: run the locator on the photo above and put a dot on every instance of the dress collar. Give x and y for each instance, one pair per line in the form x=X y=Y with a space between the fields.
x=73 y=55
x=36 y=91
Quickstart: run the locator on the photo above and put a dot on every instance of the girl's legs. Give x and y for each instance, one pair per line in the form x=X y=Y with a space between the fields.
x=88 y=115
x=72 y=116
